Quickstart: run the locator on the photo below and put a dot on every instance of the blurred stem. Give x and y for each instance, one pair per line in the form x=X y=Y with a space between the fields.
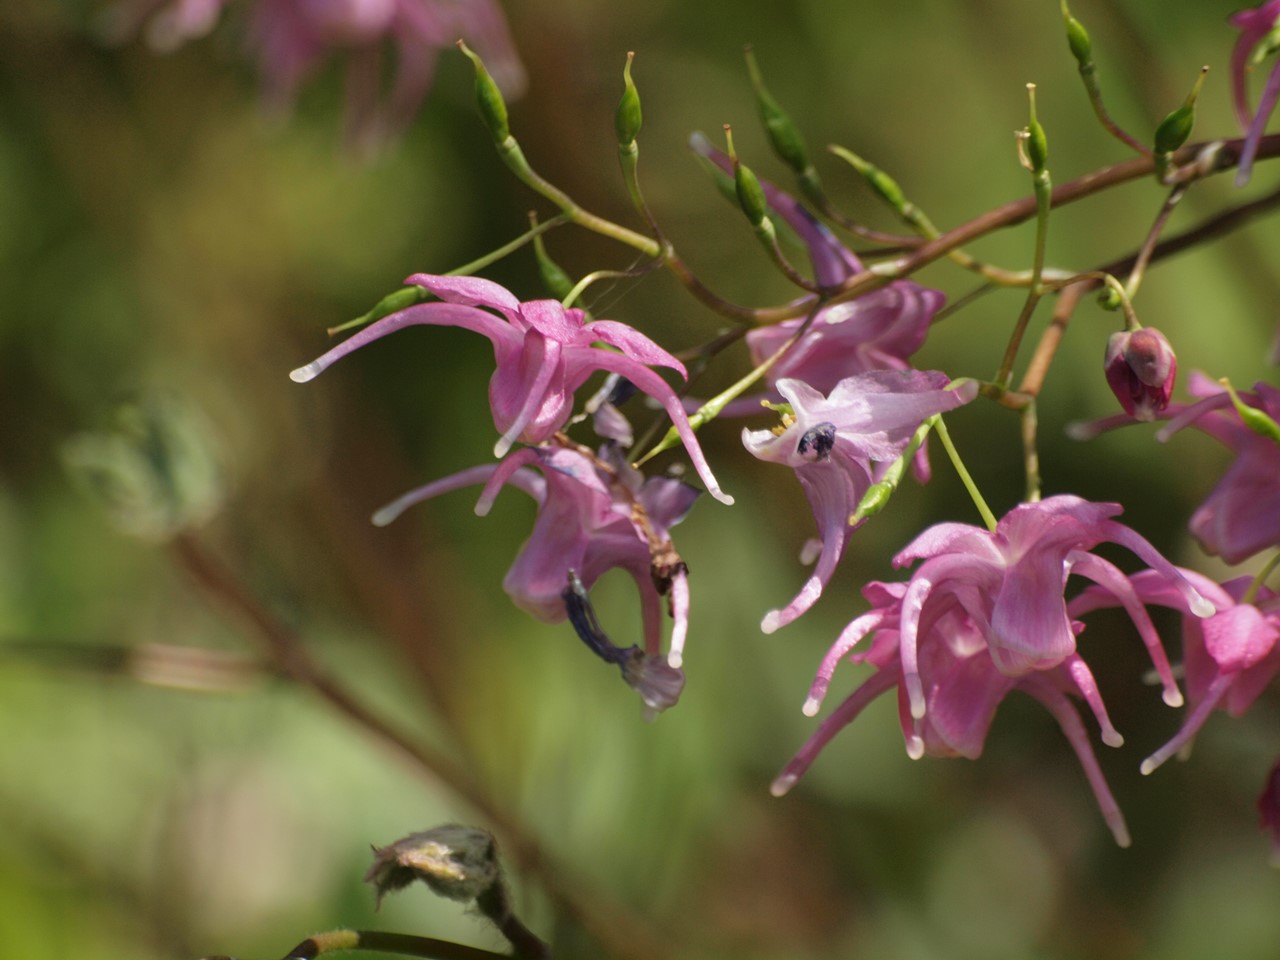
x=1143 y=256
x=1030 y=454
x=375 y=941
x=1251 y=594
x=620 y=933
x=940 y=428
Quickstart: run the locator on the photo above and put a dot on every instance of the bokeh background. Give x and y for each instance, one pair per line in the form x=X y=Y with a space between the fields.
x=161 y=238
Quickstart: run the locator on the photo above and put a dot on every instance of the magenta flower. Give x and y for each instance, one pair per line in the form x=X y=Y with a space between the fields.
x=1241 y=516
x=878 y=331
x=169 y=23
x=1229 y=657
x=832 y=443
x=983 y=615
x=543 y=354
x=1140 y=368
x=1255 y=26
x=963 y=687
x=593 y=516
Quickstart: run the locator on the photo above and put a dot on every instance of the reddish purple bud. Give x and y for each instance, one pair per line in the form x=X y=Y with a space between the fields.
x=1269 y=811
x=1141 y=367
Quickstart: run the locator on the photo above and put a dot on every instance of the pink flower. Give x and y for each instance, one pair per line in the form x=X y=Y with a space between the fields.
x=1140 y=368
x=593 y=516
x=543 y=354
x=291 y=38
x=983 y=615
x=1241 y=516
x=1255 y=26
x=877 y=331
x=1229 y=657
x=832 y=442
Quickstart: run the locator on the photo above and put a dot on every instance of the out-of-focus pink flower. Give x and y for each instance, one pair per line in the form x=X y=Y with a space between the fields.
x=592 y=517
x=292 y=38
x=878 y=331
x=832 y=443
x=1241 y=516
x=1255 y=25
x=1269 y=811
x=1141 y=367
x=1229 y=658
x=543 y=354
x=983 y=615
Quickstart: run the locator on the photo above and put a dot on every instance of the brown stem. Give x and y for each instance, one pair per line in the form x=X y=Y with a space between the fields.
x=621 y=934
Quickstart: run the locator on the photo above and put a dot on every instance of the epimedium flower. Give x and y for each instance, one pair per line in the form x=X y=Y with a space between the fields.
x=984 y=614
x=1256 y=25
x=1241 y=516
x=1229 y=658
x=833 y=442
x=595 y=514
x=877 y=331
x=543 y=352
x=291 y=38
x=1141 y=367
x=963 y=688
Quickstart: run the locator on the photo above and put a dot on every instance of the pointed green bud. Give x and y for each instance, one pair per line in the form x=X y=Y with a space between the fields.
x=394 y=302
x=557 y=282
x=1176 y=127
x=627 y=118
x=747 y=187
x=1036 y=145
x=1253 y=418
x=493 y=109
x=785 y=139
x=1078 y=39
x=879 y=181
x=872 y=502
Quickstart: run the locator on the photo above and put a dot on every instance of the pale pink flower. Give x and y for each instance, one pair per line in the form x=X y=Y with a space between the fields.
x=834 y=444
x=590 y=520
x=543 y=354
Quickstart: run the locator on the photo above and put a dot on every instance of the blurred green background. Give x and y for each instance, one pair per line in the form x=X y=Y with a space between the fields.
x=159 y=237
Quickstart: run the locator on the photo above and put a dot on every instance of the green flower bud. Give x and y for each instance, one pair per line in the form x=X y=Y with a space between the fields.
x=557 y=282
x=627 y=118
x=1176 y=127
x=747 y=187
x=1078 y=39
x=493 y=109
x=785 y=139
x=884 y=185
x=1036 y=145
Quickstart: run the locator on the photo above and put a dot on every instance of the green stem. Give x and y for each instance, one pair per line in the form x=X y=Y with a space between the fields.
x=940 y=428
x=1044 y=198
x=1268 y=568
x=1030 y=453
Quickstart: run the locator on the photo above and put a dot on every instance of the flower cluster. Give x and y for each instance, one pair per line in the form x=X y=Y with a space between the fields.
x=290 y=39
x=984 y=614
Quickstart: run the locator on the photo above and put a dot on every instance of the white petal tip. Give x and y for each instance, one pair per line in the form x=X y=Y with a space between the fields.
x=1202 y=607
x=1080 y=430
x=811 y=707
x=304 y=374
x=915 y=748
x=783 y=785
x=722 y=497
x=501 y=447
x=384 y=516
x=1121 y=833
x=1112 y=738
x=1173 y=697
x=915 y=694
x=1148 y=766
x=675 y=659
x=770 y=622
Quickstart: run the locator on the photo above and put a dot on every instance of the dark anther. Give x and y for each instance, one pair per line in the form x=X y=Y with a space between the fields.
x=582 y=615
